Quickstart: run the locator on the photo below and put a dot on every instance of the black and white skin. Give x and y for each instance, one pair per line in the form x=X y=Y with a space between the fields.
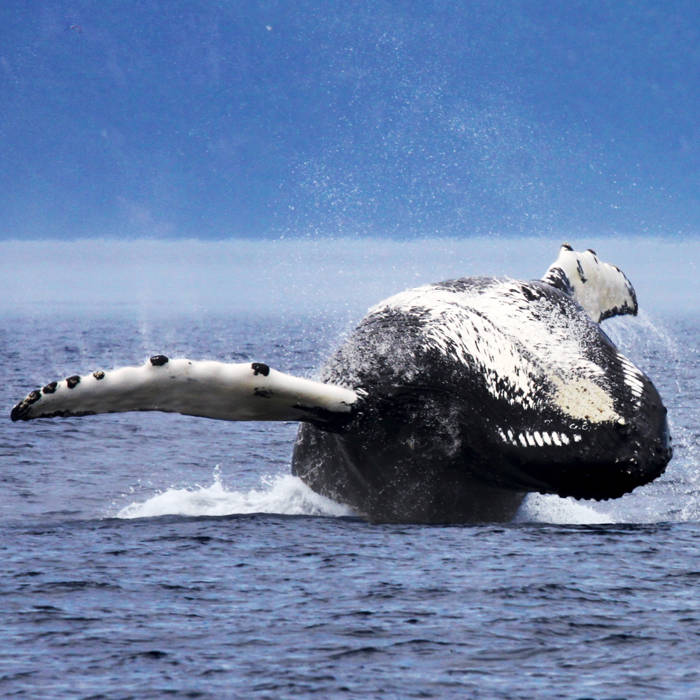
x=448 y=403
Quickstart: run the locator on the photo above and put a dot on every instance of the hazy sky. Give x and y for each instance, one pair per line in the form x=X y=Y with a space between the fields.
x=216 y=119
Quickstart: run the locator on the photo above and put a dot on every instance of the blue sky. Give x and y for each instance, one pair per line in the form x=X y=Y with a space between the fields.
x=268 y=119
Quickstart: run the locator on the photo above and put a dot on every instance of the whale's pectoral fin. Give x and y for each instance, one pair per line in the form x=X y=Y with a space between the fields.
x=601 y=289
x=247 y=391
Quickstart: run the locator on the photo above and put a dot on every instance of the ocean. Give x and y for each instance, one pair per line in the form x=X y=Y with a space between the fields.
x=150 y=555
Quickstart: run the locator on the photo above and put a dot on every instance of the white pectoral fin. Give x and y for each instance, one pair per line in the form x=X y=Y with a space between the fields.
x=246 y=391
x=601 y=289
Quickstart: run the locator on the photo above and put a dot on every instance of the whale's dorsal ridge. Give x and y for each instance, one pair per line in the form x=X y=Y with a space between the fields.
x=601 y=289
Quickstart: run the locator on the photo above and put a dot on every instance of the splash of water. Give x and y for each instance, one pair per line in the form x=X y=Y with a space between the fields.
x=673 y=367
x=285 y=494
x=539 y=508
x=282 y=495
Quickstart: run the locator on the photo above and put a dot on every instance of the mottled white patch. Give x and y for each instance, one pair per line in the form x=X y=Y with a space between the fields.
x=520 y=345
x=585 y=400
x=457 y=327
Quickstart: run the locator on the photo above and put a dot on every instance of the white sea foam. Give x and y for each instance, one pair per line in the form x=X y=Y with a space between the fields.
x=283 y=495
x=561 y=511
x=287 y=495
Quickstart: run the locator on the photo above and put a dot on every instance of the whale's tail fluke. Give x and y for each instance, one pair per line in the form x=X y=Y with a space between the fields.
x=246 y=391
x=601 y=289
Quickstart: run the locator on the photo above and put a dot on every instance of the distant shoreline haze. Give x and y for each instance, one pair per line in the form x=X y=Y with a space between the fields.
x=149 y=277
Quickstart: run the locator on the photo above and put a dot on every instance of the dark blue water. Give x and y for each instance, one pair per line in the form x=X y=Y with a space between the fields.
x=149 y=555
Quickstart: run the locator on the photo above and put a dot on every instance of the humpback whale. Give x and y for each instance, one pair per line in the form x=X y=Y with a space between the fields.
x=449 y=402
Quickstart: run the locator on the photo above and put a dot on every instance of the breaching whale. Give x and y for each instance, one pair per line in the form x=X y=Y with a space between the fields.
x=448 y=403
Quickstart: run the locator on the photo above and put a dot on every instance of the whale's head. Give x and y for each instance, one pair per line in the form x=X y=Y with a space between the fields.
x=601 y=289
